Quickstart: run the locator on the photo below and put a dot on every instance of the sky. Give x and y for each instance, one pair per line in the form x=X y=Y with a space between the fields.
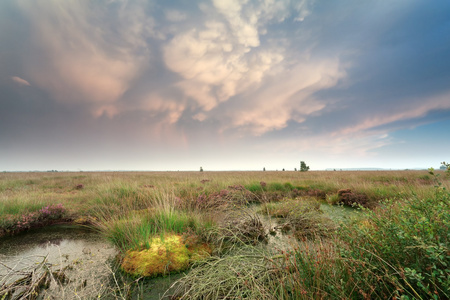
x=223 y=84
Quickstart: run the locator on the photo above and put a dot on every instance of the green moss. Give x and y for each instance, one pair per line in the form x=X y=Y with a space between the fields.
x=166 y=254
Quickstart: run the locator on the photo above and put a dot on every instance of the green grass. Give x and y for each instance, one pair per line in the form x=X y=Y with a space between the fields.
x=135 y=229
x=398 y=249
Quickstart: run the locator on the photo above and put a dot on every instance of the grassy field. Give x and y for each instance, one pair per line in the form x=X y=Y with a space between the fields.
x=397 y=248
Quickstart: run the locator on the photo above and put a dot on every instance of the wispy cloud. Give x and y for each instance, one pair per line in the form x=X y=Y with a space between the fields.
x=20 y=81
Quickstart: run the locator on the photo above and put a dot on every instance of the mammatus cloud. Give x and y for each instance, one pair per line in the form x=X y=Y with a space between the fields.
x=287 y=96
x=20 y=81
x=214 y=66
x=175 y=15
x=224 y=58
x=83 y=54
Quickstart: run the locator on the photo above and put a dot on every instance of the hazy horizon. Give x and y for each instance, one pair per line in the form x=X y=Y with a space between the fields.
x=225 y=85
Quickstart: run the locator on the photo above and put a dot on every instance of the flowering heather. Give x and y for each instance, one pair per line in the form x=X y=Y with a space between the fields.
x=28 y=220
x=54 y=211
x=237 y=187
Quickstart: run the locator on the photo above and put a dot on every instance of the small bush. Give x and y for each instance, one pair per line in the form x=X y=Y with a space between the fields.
x=403 y=248
x=347 y=197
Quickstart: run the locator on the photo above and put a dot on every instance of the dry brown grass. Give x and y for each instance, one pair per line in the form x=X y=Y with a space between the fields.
x=84 y=194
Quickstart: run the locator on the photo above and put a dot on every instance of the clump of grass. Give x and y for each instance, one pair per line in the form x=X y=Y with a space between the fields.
x=237 y=228
x=136 y=229
x=303 y=217
x=285 y=207
x=246 y=274
x=256 y=187
x=312 y=271
x=277 y=186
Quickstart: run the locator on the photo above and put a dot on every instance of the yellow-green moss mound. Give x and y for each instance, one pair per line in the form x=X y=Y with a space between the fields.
x=170 y=254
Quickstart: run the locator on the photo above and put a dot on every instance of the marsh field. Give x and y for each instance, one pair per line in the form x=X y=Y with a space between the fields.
x=238 y=235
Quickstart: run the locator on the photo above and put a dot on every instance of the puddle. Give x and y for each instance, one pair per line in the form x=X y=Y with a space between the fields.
x=81 y=253
x=340 y=213
x=278 y=240
x=86 y=259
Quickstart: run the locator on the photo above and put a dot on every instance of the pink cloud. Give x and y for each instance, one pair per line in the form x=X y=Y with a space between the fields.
x=20 y=81
x=79 y=62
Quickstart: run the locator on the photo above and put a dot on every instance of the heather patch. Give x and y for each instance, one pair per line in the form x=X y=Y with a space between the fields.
x=46 y=215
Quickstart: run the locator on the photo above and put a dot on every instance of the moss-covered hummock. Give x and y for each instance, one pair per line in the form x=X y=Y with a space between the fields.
x=164 y=256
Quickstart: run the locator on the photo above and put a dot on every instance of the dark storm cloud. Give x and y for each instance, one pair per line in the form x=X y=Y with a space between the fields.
x=395 y=58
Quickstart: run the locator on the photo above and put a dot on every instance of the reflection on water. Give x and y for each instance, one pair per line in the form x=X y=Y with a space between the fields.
x=339 y=213
x=80 y=252
x=86 y=260
x=278 y=240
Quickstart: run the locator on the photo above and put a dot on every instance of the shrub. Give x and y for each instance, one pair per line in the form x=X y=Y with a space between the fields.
x=347 y=197
x=403 y=248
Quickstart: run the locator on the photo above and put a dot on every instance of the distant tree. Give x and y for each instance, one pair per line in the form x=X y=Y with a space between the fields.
x=264 y=168
x=295 y=169
x=283 y=170
x=201 y=169
x=446 y=167
x=303 y=167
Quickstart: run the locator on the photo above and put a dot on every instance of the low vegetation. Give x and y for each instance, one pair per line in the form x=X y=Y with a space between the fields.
x=210 y=226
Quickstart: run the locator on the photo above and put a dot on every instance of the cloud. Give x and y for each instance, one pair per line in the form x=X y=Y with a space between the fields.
x=406 y=110
x=169 y=110
x=331 y=78
x=286 y=96
x=175 y=15
x=223 y=57
x=213 y=65
x=83 y=54
x=20 y=81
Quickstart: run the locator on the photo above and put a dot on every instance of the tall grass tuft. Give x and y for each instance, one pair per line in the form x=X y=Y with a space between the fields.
x=135 y=230
x=246 y=274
